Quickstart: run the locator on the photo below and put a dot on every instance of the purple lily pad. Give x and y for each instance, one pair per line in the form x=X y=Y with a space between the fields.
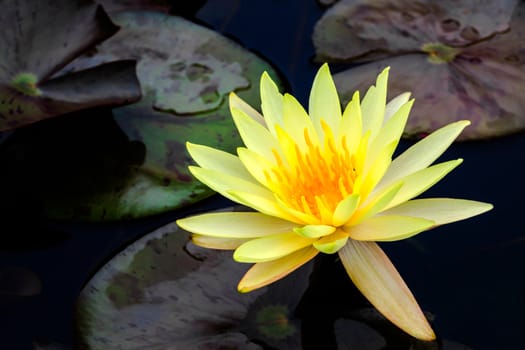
x=41 y=37
x=460 y=62
x=163 y=292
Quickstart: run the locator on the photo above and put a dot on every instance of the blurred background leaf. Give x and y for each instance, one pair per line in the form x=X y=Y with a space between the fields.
x=164 y=292
x=39 y=38
x=100 y=169
x=460 y=59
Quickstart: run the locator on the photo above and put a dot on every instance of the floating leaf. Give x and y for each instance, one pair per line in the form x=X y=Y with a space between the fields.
x=163 y=292
x=460 y=62
x=34 y=47
x=186 y=72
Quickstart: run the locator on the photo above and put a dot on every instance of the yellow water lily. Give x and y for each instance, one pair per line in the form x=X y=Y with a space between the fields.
x=324 y=181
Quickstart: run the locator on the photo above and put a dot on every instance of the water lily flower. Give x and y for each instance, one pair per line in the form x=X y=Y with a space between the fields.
x=325 y=181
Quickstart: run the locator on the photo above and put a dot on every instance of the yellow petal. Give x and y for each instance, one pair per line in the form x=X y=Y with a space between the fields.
x=423 y=153
x=391 y=131
x=324 y=101
x=373 y=104
x=314 y=231
x=440 y=210
x=296 y=121
x=238 y=103
x=376 y=170
x=350 y=128
x=345 y=209
x=262 y=274
x=256 y=165
x=255 y=136
x=266 y=204
x=223 y=183
x=270 y=247
x=214 y=159
x=378 y=280
x=420 y=181
x=217 y=242
x=271 y=103
x=394 y=104
x=376 y=204
x=300 y=217
x=235 y=224
x=331 y=244
x=385 y=228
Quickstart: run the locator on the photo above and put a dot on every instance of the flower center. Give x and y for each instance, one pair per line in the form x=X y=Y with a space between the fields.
x=316 y=178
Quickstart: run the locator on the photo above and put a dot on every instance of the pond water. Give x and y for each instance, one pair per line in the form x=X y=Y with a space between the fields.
x=466 y=276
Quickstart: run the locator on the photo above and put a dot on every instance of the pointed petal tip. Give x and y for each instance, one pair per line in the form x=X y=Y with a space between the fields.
x=376 y=277
x=243 y=289
x=266 y=78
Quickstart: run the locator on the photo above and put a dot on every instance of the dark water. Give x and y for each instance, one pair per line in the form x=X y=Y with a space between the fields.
x=469 y=275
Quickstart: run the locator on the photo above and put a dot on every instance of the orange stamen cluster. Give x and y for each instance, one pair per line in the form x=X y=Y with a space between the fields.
x=316 y=179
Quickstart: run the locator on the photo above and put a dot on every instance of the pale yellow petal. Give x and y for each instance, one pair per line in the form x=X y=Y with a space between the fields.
x=331 y=244
x=391 y=131
x=256 y=165
x=394 y=104
x=376 y=204
x=373 y=104
x=377 y=278
x=271 y=103
x=345 y=209
x=262 y=274
x=360 y=154
x=300 y=217
x=419 y=182
x=350 y=128
x=324 y=101
x=314 y=231
x=214 y=159
x=287 y=146
x=264 y=203
x=373 y=174
x=238 y=103
x=255 y=136
x=440 y=210
x=296 y=121
x=385 y=228
x=224 y=183
x=423 y=153
x=270 y=247
x=235 y=224
x=223 y=243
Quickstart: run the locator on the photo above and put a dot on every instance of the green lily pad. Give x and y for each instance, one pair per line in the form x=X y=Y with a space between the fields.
x=162 y=292
x=186 y=72
x=34 y=47
x=451 y=75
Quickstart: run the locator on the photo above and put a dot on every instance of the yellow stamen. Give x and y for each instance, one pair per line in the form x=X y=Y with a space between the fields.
x=315 y=179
